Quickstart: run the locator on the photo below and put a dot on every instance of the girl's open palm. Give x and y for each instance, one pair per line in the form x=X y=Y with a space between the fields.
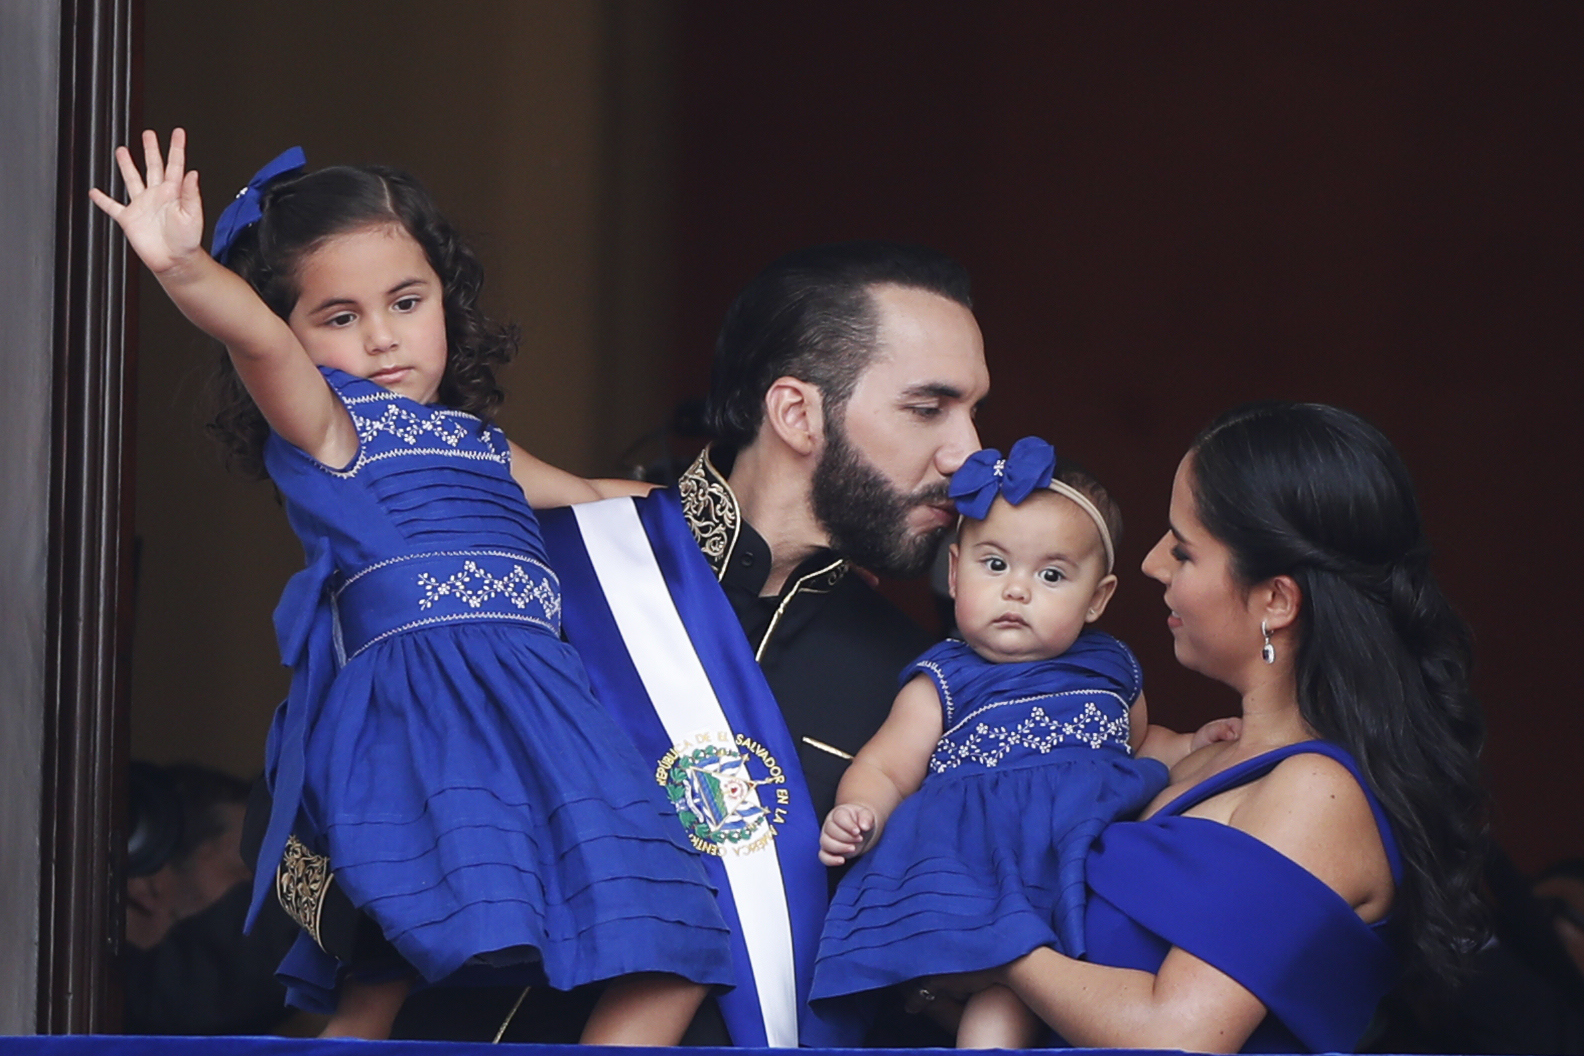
x=163 y=217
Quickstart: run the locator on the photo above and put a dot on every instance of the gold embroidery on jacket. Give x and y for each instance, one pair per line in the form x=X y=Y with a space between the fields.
x=301 y=883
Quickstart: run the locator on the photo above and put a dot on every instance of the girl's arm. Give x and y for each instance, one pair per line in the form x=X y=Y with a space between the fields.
x=621 y=487
x=884 y=772
x=545 y=486
x=163 y=222
x=1310 y=809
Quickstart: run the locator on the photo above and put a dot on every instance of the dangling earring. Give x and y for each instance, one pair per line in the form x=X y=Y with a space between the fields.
x=1268 y=653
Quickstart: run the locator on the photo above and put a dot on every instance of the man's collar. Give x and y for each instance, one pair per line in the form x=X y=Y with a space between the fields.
x=711 y=510
x=715 y=518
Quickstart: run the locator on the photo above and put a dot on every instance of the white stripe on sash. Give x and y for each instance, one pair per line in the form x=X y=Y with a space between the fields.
x=685 y=702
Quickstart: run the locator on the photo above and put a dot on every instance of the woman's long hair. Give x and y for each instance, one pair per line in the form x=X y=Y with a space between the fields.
x=299 y=216
x=1382 y=664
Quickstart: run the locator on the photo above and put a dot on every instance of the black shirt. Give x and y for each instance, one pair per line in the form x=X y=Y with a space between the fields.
x=831 y=647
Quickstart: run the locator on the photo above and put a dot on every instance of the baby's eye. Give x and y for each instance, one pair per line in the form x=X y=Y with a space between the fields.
x=340 y=319
x=995 y=564
x=407 y=304
x=1051 y=575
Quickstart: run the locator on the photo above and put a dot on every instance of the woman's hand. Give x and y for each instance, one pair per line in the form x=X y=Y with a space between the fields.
x=163 y=217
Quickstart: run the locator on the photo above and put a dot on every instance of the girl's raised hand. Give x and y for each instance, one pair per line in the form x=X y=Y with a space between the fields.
x=163 y=217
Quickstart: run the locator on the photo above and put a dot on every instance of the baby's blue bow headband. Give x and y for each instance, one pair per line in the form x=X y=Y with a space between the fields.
x=245 y=209
x=1030 y=467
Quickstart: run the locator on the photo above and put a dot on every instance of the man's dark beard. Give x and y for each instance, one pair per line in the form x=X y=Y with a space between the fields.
x=865 y=514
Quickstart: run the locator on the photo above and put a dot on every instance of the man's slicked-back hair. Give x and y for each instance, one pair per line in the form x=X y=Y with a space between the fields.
x=810 y=316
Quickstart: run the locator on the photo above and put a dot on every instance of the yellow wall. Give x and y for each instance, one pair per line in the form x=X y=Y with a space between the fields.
x=541 y=129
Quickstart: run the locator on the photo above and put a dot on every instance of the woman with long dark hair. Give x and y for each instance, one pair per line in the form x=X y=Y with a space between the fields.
x=1283 y=882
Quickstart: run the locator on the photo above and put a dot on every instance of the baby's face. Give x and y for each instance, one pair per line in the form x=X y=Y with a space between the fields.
x=1028 y=578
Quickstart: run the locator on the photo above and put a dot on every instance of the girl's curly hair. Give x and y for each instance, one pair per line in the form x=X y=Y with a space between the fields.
x=299 y=216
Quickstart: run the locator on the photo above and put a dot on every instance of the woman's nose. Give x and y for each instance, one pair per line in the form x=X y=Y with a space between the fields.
x=1156 y=564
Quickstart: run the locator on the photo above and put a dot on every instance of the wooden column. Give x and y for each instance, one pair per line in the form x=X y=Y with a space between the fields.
x=83 y=837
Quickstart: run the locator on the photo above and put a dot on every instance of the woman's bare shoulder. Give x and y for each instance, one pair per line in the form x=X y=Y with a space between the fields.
x=1312 y=809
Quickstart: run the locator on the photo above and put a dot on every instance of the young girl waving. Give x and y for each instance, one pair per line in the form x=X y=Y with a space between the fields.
x=1005 y=754
x=440 y=743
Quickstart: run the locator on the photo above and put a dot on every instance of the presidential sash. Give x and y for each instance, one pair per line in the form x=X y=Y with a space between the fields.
x=667 y=657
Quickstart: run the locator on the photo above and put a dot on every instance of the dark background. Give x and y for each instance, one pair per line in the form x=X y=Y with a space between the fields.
x=1169 y=209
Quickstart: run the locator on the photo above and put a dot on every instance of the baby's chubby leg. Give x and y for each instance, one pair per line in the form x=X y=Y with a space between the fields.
x=646 y=1008
x=996 y=1018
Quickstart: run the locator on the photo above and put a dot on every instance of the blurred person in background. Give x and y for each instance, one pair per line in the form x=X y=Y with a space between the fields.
x=188 y=967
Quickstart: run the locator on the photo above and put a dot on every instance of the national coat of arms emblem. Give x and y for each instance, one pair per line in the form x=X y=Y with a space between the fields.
x=717 y=796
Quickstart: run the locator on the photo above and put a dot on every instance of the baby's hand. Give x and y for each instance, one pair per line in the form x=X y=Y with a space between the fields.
x=1229 y=729
x=163 y=217
x=848 y=828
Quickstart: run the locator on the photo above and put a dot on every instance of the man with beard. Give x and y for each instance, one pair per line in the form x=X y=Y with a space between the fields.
x=843 y=394
x=842 y=399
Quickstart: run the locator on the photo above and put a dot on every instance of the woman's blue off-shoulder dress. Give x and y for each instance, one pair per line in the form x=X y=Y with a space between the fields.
x=1238 y=904
x=441 y=743
x=985 y=862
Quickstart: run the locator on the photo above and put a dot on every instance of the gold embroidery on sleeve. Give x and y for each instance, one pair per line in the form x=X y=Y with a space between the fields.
x=301 y=883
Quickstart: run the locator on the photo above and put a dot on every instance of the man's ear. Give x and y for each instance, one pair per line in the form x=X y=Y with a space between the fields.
x=794 y=410
x=1278 y=600
x=951 y=570
x=1102 y=597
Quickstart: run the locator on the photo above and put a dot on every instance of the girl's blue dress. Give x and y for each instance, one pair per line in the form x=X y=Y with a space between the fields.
x=472 y=796
x=985 y=862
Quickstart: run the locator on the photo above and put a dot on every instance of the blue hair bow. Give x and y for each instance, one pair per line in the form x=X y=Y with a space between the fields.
x=1029 y=467
x=244 y=210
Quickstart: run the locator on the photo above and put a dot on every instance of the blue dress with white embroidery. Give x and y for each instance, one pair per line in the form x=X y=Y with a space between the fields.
x=441 y=743
x=985 y=862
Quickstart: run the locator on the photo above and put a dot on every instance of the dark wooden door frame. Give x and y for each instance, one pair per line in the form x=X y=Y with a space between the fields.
x=82 y=836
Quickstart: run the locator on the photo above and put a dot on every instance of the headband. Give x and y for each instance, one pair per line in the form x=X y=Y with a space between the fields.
x=1031 y=466
x=246 y=209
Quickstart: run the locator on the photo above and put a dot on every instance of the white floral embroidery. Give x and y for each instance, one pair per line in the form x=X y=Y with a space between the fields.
x=474 y=586
x=388 y=428
x=988 y=745
x=409 y=428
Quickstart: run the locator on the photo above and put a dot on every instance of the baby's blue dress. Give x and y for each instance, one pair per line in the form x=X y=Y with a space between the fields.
x=985 y=862
x=472 y=796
